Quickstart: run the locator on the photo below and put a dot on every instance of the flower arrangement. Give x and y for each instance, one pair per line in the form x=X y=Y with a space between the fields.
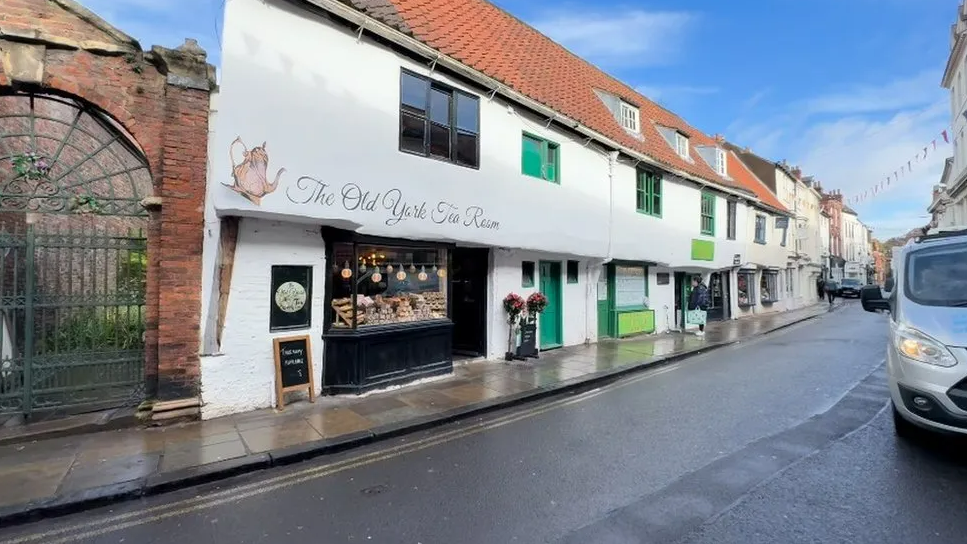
x=514 y=306
x=30 y=165
x=536 y=303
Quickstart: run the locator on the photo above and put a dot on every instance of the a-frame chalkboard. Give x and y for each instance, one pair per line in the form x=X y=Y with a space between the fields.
x=293 y=367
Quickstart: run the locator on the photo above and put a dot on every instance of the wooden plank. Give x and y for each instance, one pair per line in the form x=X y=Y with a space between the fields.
x=227 y=244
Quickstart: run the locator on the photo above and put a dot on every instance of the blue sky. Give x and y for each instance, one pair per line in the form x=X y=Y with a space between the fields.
x=847 y=89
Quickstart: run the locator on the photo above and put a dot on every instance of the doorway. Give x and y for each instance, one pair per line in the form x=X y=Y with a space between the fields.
x=681 y=298
x=469 y=267
x=552 y=319
x=719 y=295
x=605 y=302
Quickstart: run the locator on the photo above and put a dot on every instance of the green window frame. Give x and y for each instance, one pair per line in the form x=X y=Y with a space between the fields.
x=527 y=273
x=708 y=214
x=648 y=193
x=540 y=158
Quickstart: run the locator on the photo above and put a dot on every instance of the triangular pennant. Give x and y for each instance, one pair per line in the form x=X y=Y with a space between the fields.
x=946 y=138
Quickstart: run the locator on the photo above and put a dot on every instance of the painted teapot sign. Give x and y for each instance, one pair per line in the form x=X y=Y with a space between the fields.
x=250 y=180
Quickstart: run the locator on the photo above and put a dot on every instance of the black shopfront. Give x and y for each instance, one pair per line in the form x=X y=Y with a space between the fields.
x=388 y=313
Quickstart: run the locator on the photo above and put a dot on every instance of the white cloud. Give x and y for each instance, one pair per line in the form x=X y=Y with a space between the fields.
x=165 y=22
x=853 y=140
x=659 y=92
x=632 y=37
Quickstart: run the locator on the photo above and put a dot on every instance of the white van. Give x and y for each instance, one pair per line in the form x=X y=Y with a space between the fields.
x=926 y=297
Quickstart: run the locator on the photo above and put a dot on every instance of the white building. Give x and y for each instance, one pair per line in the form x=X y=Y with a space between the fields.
x=383 y=197
x=954 y=181
x=812 y=244
x=857 y=250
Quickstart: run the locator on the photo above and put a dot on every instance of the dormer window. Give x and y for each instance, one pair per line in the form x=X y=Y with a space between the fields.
x=630 y=119
x=681 y=145
x=721 y=166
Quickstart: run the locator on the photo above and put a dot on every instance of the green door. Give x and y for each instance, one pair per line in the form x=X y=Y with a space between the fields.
x=551 y=323
x=605 y=302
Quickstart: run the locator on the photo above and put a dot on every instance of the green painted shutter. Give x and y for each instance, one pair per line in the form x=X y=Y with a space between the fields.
x=531 y=157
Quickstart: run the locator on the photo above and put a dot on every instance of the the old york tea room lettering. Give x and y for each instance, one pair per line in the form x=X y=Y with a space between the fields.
x=391 y=203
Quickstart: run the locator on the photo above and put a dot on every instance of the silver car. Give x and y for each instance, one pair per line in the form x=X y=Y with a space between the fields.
x=927 y=352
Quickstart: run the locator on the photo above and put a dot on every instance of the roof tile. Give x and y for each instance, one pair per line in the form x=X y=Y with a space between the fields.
x=741 y=173
x=490 y=40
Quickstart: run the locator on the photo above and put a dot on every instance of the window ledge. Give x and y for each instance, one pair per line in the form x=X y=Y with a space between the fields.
x=760 y=242
x=747 y=305
x=769 y=300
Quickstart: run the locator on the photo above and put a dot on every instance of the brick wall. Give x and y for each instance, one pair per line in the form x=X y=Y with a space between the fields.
x=160 y=98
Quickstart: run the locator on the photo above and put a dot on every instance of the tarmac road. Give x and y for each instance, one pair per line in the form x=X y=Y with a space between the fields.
x=688 y=451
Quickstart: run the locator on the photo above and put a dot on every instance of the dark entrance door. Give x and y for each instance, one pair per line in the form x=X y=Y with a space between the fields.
x=718 y=286
x=680 y=300
x=468 y=277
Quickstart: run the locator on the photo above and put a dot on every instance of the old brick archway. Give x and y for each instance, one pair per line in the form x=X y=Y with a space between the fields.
x=156 y=105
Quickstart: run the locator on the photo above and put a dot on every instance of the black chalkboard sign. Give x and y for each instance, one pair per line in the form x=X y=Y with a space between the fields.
x=293 y=367
x=528 y=340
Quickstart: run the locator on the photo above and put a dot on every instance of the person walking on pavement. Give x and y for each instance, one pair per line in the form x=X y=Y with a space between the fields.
x=830 y=287
x=698 y=303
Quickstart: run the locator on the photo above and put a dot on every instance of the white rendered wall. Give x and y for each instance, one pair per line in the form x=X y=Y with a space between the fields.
x=242 y=377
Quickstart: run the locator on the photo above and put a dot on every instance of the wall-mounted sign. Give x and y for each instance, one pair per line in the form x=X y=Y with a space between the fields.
x=663 y=278
x=736 y=259
x=782 y=222
x=293 y=367
x=291 y=304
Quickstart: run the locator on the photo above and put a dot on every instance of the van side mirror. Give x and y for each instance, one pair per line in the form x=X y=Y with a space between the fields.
x=872 y=299
x=889 y=284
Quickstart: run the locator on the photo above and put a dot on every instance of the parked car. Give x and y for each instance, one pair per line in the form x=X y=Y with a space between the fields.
x=849 y=287
x=926 y=355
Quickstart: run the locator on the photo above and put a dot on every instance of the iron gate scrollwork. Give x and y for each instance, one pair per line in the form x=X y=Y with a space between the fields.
x=73 y=257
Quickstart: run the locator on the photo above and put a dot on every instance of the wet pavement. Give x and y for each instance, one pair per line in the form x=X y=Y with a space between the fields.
x=659 y=453
x=63 y=470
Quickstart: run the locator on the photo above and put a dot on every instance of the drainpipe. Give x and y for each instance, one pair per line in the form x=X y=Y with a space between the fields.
x=612 y=162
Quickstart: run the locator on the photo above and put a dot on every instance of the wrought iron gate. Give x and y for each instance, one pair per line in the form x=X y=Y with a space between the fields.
x=72 y=309
x=73 y=257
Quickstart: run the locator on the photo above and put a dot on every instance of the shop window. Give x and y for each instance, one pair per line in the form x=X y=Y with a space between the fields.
x=760 y=229
x=540 y=158
x=438 y=121
x=527 y=274
x=708 y=214
x=382 y=285
x=731 y=219
x=630 y=286
x=769 y=286
x=572 y=271
x=746 y=288
x=648 y=192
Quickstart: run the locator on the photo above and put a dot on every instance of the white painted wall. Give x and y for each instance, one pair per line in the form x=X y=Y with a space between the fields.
x=242 y=376
x=578 y=301
x=661 y=298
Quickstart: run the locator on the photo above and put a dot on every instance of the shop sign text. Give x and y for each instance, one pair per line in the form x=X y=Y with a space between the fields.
x=353 y=198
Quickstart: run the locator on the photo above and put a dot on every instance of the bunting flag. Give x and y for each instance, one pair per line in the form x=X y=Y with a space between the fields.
x=880 y=187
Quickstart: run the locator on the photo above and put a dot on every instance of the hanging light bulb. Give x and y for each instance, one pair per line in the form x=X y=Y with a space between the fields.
x=422 y=275
x=412 y=269
x=389 y=269
x=401 y=275
x=433 y=269
x=376 y=277
x=362 y=267
x=442 y=272
x=346 y=271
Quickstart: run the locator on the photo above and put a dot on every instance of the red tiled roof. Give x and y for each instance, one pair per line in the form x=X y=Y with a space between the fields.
x=741 y=173
x=493 y=42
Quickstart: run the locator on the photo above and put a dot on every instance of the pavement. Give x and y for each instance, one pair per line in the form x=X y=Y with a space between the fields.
x=64 y=475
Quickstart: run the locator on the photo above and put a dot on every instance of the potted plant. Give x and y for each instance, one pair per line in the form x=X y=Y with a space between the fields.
x=536 y=304
x=514 y=305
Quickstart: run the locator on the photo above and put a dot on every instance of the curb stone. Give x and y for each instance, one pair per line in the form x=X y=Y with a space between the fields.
x=159 y=483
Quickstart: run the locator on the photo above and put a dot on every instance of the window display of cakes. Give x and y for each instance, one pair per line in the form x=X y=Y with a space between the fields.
x=385 y=310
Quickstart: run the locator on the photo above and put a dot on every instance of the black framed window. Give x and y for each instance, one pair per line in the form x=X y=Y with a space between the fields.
x=745 y=281
x=527 y=274
x=439 y=121
x=572 y=271
x=760 y=229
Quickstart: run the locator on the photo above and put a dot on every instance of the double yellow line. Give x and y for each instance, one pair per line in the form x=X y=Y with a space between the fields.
x=153 y=514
